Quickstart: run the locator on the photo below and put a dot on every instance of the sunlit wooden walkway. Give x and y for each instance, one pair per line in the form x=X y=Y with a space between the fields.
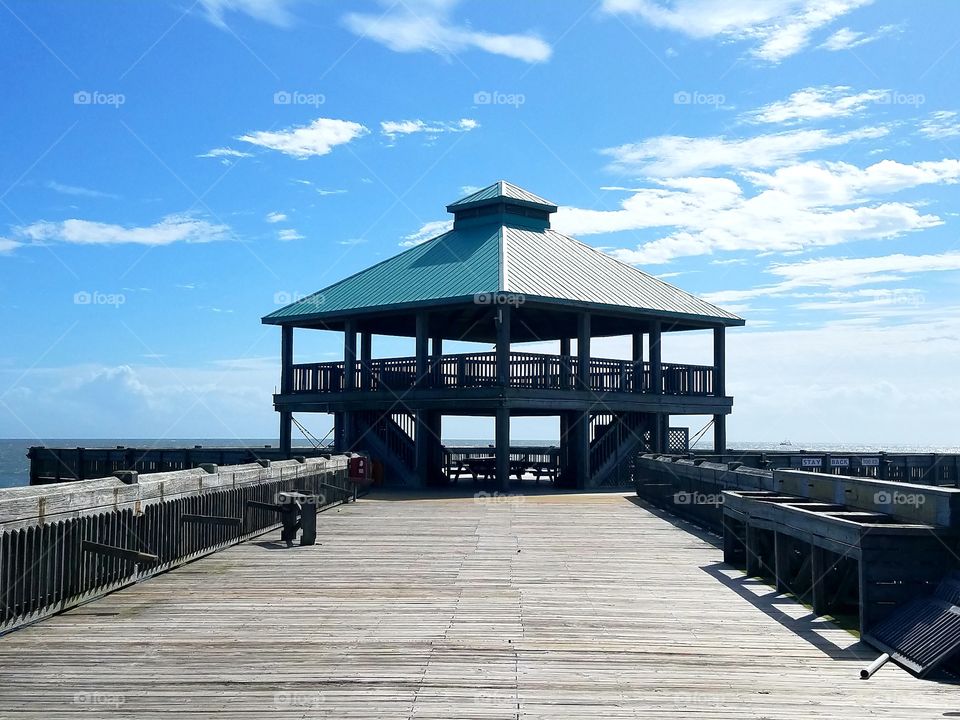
x=564 y=606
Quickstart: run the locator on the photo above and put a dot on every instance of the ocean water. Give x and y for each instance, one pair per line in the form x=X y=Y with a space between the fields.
x=15 y=467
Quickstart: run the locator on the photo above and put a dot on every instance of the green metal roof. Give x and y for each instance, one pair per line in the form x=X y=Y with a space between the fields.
x=501 y=255
x=501 y=190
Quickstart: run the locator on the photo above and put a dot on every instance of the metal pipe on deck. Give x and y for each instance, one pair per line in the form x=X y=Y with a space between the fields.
x=867 y=672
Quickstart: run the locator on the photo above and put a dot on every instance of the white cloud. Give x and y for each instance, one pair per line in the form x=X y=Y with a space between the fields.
x=838 y=183
x=171 y=229
x=674 y=155
x=225 y=152
x=795 y=208
x=7 y=245
x=817 y=103
x=275 y=217
x=778 y=28
x=317 y=138
x=274 y=12
x=426 y=232
x=418 y=25
x=844 y=273
x=392 y=128
x=77 y=191
x=152 y=400
x=321 y=191
x=941 y=124
x=849 y=272
x=288 y=235
x=847 y=39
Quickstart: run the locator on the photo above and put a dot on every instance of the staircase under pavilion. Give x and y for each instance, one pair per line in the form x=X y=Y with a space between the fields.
x=501 y=276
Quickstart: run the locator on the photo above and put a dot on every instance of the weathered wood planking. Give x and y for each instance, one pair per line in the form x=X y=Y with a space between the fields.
x=565 y=606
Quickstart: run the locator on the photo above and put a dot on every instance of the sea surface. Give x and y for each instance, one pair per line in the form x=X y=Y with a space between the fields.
x=15 y=467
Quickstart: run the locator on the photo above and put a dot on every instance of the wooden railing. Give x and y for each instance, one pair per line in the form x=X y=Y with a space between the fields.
x=64 y=544
x=526 y=370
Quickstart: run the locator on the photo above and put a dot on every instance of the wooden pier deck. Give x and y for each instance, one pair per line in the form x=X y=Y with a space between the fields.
x=546 y=606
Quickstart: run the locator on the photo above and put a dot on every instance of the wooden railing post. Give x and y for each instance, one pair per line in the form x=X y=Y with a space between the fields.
x=637 y=342
x=366 y=357
x=583 y=351
x=565 y=363
x=502 y=315
x=349 y=355
x=656 y=363
x=421 y=349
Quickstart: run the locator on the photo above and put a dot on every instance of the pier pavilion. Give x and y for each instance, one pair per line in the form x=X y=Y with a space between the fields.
x=502 y=276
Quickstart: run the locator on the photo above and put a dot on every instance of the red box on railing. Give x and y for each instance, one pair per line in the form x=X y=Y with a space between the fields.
x=358 y=469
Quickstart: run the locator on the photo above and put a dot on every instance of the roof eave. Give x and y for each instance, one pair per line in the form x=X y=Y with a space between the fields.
x=338 y=315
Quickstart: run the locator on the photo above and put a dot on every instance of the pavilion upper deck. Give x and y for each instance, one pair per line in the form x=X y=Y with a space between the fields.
x=524 y=371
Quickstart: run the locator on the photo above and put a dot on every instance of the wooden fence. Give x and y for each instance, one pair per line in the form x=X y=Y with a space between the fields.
x=64 y=544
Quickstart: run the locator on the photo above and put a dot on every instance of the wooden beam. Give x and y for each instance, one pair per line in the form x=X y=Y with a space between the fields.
x=264 y=506
x=212 y=520
x=117 y=552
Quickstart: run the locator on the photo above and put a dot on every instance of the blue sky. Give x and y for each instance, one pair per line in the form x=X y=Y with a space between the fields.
x=174 y=170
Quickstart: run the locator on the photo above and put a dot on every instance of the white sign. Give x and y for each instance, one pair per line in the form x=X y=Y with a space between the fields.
x=839 y=462
x=870 y=462
x=811 y=462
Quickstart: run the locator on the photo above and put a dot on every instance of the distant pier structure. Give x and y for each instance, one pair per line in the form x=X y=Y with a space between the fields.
x=502 y=276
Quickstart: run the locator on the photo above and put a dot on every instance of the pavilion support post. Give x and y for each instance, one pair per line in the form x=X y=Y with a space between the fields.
x=503 y=344
x=366 y=356
x=583 y=351
x=502 y=433
x=286 y=432
x=349 y=355
x=719 y=433
x=565 y=467
x=719 y=361
x=435 y=450
x=286 y=386
x=637 y=342
x=436 y=346
x=286 y=359
x=349 y=377
x=423 y=324
x=339 y=435
x=422 y=444
x=564 y=365
x=582 y=452
x=659 y=439
x=656 y=359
